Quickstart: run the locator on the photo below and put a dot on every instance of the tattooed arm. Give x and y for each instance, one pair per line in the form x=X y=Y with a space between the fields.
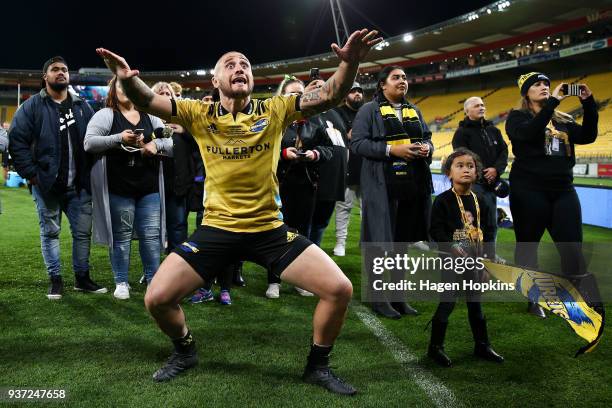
x=135 y=89
x=338 y=85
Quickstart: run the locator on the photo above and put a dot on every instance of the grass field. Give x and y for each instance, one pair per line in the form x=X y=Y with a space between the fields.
x=103 y=351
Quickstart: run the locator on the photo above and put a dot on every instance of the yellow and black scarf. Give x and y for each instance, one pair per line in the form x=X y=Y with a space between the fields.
x=404 y=179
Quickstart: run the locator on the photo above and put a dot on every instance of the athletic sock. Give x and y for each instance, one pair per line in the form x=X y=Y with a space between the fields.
x=319 y=355
x=185 y=344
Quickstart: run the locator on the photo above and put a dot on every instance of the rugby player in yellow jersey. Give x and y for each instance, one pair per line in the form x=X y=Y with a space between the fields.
x=239 y=139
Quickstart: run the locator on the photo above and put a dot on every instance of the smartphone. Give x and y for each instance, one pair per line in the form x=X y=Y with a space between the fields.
x=570 y=89
x=301 y=154
x=139 y=131
x=314 y=74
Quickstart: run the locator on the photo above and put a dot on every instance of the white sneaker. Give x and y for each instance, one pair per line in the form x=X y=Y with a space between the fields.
x=303 y=292
x=122 y=291
x=339 y=250
x=273 y=291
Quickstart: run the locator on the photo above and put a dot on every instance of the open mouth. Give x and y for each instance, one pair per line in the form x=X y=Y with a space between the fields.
x=239 y=80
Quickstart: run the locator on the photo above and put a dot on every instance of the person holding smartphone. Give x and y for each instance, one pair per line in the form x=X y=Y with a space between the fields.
x=542 y=195
x=127 y=184
x=304 y=145
x=395 y=143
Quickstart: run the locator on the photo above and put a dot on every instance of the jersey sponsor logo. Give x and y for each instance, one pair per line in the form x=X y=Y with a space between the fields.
x=259 y=125
x=291 y=236
x=232 y=141
x=237 y=152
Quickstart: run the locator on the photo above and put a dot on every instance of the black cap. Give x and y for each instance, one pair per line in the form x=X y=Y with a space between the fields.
x=525 y=81
x=53 y=60
x=356 y=86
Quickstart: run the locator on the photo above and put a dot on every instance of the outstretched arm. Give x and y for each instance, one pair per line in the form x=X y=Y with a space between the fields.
x=339 y=84
x=135 y=89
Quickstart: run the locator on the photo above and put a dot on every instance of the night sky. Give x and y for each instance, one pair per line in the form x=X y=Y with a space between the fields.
x=191 y=35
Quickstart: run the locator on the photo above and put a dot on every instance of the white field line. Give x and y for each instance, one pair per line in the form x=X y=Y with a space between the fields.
x=440 y=395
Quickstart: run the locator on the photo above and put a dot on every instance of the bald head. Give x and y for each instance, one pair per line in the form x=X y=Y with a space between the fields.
x=474 y=108
x=233 y=77
x=227 y=56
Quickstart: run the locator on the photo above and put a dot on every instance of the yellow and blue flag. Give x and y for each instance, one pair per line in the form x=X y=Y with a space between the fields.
x=558 y=295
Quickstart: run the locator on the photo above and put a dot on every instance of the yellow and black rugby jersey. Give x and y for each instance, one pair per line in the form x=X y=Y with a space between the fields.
x=240 y=155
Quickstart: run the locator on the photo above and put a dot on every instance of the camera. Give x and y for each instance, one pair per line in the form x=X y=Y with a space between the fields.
x=501 y=188
x=571 y=89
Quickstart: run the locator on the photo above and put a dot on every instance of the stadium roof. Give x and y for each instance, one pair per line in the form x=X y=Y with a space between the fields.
x=461 y=33
x=498 y=24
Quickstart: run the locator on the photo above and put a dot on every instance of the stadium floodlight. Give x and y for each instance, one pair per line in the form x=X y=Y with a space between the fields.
x=503 y=5
x=201 y=72
x=408 y=37
x=182 y=75
x=488 y=11
x=381 y=45
x=212 y=71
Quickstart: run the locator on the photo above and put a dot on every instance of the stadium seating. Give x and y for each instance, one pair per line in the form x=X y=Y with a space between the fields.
x=500 y=101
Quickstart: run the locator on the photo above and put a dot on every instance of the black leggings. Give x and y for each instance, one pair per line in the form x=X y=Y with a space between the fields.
x=559 y=212
x=298 y=208
x=448 y=300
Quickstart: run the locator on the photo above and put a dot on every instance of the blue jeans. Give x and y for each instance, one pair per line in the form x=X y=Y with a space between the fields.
x=320 y=219
x=142 y=215
x=77 y=208
x=176 y=220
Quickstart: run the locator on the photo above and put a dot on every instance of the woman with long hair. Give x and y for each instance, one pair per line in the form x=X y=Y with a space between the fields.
x=389 y=133
x=542 y=195
x=127 y=184
x=304 y=145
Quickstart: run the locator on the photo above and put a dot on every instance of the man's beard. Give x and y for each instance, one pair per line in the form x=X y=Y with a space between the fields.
x=58 y=87
x=355 y=104
x=228 y=92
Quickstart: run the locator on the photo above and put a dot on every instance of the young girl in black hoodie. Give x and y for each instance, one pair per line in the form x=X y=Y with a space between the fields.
x=460 y=225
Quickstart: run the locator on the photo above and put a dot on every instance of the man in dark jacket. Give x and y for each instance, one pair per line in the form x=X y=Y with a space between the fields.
x=483 y=138
x=47 y=149
x=348 y=111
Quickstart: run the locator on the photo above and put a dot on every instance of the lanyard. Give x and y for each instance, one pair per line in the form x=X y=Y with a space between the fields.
x=468 y=225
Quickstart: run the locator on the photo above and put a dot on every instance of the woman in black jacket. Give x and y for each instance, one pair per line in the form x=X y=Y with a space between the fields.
x=392 y=138
x=304 y=145
x=542 y=195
